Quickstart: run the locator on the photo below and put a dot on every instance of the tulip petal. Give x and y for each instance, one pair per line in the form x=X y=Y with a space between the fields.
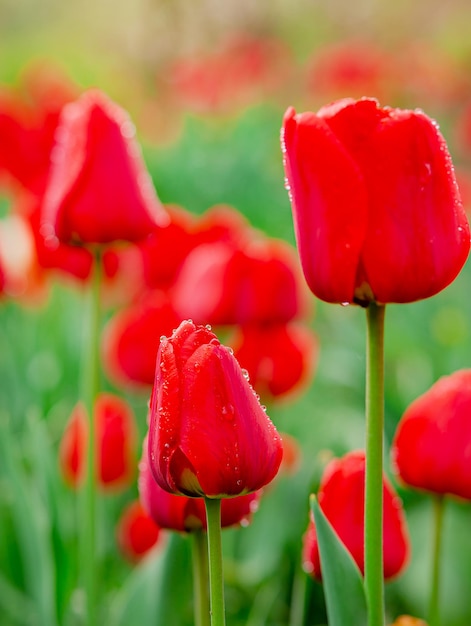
x=328 y=197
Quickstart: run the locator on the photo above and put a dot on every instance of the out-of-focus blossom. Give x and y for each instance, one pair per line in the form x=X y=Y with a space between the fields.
x=407 y=620
x=99 y=190
x=356 y=68
x=376 y=207
x=243 y=71
x=184 y=514
x=132 y=336
x=208 y=434
x=257 y=283
x=341 y=497
x=29 y=113
x=431 y=450
x=280 y=358
x=136 y=533
x=115 y=444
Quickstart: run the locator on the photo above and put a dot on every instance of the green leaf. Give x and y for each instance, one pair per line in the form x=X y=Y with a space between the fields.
x=342 y=580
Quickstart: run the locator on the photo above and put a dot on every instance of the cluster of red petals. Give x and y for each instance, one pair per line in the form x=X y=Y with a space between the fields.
x=376 y=207
x=99 y=190
x=132 y=337
x=257 y=282
x=341 y=497
x=136 y=532
x=208 y=434
x=279 y=358
x=184 y=514
x=116 y=439
x=431 y=449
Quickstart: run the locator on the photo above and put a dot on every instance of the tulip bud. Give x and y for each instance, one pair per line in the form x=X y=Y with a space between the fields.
x=136 y=533
x=208 y=434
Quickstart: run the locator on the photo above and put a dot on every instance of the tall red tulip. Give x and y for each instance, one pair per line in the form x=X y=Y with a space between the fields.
x=341 y=497
x=376 y=207
x=208 y=434
x=431 y=450
x=99 y=189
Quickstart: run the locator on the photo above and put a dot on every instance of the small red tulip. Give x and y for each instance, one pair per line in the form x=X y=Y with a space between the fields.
x=208 y=434
x=136 y=533
x=341 y=497
x=431 y=450
x=376 y=207
x=258 y=282
x=115 y=444
x=98 y=190
x=278 y=357
x=184 y=514
x=131 y=339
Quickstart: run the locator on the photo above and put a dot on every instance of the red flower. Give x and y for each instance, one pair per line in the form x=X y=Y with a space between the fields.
x=341 y=497
x=115 y=443
x=278 y=357
x=136 y=533
x=220 y=284
x=376 y=207
x=99 y=190
x=131 y=339
x=208 y=434
x=431 y=450
x=184 y=514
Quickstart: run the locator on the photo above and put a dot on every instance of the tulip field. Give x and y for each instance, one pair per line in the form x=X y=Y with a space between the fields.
x=235 y=317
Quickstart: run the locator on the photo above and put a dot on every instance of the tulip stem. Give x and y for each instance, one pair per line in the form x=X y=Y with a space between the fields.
x=374 y=583
x=200 y=577
x=216 y=580
x=90 y=374
x=438 y=510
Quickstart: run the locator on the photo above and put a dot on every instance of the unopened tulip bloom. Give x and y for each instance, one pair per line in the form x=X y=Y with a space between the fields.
x=208 y=434
x=341 y=497
x=136 y=532
x=115 y=443
x=184 y=514
x=377 y=212
x=431 y=450
x=98 y=190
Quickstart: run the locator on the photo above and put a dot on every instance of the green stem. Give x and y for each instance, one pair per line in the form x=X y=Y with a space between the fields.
x=374 y=583
x=200 y=577
x=216 y=580
x=299 y=598
x=438 y=510
x=90 y=373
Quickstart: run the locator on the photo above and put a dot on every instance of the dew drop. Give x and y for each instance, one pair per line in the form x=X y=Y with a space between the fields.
x=245 y=374
x=228 y=412
x=345 y=304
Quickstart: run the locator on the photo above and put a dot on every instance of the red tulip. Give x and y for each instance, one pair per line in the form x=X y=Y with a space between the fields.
x=376 y=206
x=115 y=443
x=184 y=514
x=431 y=449
x=208 y=434
x=131 y=339
x=220 y=284
x=99 y=190
x=278 y=357
x=341 y=497
x=137 y=533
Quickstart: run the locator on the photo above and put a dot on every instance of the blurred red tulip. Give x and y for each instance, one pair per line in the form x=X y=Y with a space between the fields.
x=184 y=514
x=208 y=434
x=341 y=497
x=375 y=202
x=431 y=449
x=132 y=336
x=259 y=282
x=280 y=358
x=99 y=190
x=136 y=533
x=115 y=444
